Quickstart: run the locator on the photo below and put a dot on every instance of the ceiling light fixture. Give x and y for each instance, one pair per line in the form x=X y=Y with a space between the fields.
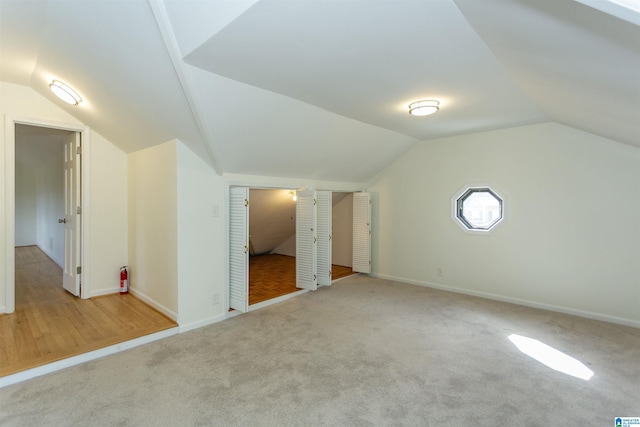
x=424 y=108
x=65 y=93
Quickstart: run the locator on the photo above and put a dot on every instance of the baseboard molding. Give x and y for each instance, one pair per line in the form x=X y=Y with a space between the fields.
x=150 y=301
x=527 y=303
x=201 y=323
x=85 y=357
x=50 y=256
x=103 y=292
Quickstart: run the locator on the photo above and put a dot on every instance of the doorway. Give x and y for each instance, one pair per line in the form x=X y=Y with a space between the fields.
x=14 y=128
x=272 y=249
x=39 y=190
x=300 y=232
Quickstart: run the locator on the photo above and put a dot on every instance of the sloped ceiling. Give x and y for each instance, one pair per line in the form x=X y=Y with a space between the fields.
x=272 y=219
x=319 y=89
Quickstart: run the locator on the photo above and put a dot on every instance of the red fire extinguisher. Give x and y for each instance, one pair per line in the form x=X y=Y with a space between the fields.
x=124 y=280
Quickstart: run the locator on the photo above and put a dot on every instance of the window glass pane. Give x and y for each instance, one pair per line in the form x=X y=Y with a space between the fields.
x=479 y=208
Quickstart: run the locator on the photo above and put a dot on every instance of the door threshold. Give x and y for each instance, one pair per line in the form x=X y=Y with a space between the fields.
x=276 y=300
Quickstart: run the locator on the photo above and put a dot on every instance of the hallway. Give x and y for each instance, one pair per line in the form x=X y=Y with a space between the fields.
x=50 y=324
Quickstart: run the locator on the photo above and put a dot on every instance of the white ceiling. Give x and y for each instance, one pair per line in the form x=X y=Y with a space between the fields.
x=318 y=89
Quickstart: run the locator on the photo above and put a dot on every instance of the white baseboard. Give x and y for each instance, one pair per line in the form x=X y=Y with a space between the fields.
x=201 y=323
x=527 y=303
x=85 y=357
x=161 y=308
x=102 y=292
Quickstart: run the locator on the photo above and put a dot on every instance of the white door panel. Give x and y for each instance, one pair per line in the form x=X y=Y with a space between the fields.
x=362 y=232
x=239 y=248
x=71 y=220
x=323 y=217
x=306 y=241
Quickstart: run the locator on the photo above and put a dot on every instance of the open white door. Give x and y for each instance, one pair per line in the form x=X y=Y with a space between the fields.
x=71 y=220
x=361 y=232
x=306 y=241
x=239 y=248
x=323 y=221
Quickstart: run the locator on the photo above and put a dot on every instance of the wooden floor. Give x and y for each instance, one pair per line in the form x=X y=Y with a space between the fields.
x=272 y=276
x=50 y=324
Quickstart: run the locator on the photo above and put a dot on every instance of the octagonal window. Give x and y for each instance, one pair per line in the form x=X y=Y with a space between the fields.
x=479 y=208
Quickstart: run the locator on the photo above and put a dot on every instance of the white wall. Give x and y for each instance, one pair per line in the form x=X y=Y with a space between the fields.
x=201 y=241
x=571 y=241
x=153 y=244
x=107 y=230
x=342 y=236
x=109 y=215
x=25 y=207
x=288 y=247
x=50 y=206
x=176 y=244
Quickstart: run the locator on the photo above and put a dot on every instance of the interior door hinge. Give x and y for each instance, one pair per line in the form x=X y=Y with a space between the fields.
x=246 y=202
x=315 y=278
x=78 y=150
x=78 y=210
x=78 y=270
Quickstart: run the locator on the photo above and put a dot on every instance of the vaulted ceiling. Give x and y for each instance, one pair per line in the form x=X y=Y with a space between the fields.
x=319 y=89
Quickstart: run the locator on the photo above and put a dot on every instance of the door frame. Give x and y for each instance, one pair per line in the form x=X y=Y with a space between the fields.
x=9 y=191
x=270 y=183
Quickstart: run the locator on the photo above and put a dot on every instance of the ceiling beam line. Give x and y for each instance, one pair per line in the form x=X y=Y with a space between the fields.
x=166 y=30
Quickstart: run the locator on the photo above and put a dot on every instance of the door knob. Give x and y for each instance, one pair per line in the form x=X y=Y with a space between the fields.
x=62 y=220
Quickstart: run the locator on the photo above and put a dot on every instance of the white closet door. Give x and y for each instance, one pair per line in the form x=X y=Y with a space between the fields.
x=306 y=241
x=323 y=222
x=239 y=248
x=362 y=232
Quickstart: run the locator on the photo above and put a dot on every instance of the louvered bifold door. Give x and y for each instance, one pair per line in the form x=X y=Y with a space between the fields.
x=239 y=248
x=323 y=222
x=362 y=232
x=306 y=240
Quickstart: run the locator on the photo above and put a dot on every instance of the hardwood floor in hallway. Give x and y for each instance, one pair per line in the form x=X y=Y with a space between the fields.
x=50 y=324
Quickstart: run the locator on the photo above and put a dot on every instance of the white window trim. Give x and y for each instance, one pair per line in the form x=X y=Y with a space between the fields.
x=498 y=192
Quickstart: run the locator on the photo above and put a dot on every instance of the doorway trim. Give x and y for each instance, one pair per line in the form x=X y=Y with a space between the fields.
x=9 y=192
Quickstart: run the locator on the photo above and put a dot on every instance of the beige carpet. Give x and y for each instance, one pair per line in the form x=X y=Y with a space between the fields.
x=361 y=352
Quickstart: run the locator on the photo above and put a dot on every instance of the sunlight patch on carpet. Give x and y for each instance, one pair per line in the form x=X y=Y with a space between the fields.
x=549 y=356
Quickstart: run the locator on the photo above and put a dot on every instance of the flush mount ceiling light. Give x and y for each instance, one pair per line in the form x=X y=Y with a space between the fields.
x=65 y=93
x=424 y=108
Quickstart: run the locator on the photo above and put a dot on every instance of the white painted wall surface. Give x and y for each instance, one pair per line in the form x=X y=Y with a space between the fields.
x=201 y=241
x=288 y=247
x=109 y=215
x=153 y=245
x=342 y=236
x=50 y=206
x=25 y=207
x=571 y=241
x=108 y=229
